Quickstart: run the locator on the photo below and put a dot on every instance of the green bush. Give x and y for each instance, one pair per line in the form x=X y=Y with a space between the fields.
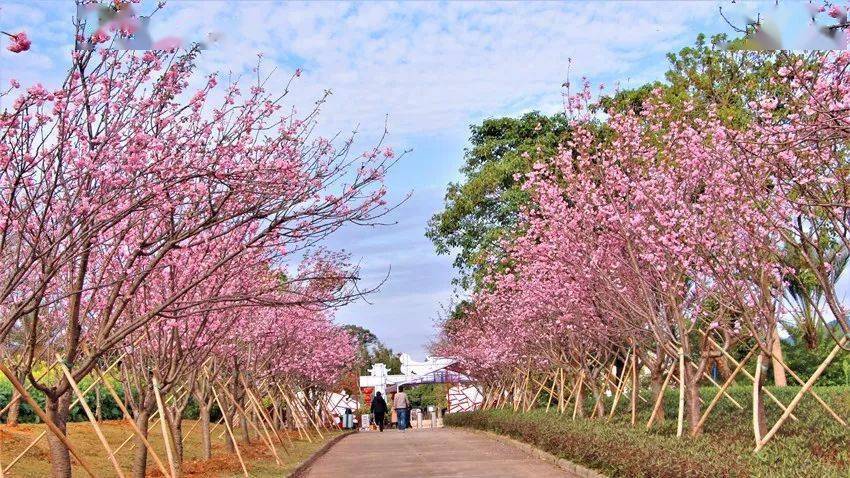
x=109 y=410
x=814 y=445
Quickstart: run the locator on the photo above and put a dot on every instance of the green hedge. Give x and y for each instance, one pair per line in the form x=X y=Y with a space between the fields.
x=813 y=446
x=108 y=409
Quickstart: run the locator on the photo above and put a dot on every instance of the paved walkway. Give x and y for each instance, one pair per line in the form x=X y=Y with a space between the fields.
x=438 y=452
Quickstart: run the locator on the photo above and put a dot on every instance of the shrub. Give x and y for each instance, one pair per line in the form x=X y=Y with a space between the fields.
x=813 y=446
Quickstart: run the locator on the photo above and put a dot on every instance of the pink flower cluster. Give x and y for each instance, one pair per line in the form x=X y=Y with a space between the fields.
x=672 y=227
x=19 y=42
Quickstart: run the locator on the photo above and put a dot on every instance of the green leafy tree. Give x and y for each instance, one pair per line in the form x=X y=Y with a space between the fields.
x=484 y=207
x=804 y=357
x=370 y=350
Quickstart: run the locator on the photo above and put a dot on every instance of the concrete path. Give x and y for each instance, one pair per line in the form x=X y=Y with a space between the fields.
x=438 y=452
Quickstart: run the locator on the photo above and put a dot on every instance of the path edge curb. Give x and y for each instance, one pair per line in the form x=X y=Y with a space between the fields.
x=566 y=465
x=302 y=469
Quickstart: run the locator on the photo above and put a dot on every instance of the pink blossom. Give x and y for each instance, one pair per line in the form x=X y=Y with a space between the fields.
x=19 y=43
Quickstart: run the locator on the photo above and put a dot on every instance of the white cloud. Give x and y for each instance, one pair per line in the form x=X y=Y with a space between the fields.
x=435 y=66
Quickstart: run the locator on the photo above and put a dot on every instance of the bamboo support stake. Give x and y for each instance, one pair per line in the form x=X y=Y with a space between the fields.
x=43 y=416
x=286 y=432
x=681 y=417
x=301 y=420
x=634 y=389
x=811 y=381
x=91 y=417
x=217 y=424
x=303 y=416
x=725 y=386
x=73 y=404
x=306 y=412
x=748 y=375
x=660 y=398
x=573 y=391
x=269 y=437
x=620 y=387
x=189 y=432
x=578 y=392
x=551 y=392
x=724 y=393
x=166 y=434
x=230 y=432
x=154 y=424
x=756 y=388
x=811 y=391
x=294 y=414
x=132 y=423
x=531 y=403
x=9 y=405
x=263 y=415
x=269 y=444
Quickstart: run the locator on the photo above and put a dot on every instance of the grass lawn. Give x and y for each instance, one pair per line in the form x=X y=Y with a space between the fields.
x=260 y=461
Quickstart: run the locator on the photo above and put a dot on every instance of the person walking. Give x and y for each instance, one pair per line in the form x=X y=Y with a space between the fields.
x=401 y=405
x=379 y=409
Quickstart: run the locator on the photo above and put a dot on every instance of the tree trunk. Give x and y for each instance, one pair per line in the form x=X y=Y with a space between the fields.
x=228 y=441
x=60 y=458
x=14 y=409
x=206 y=442
x=175 y=426
x=723 y=368
x=97 y=410
x=140 y=459
x=598 y=407
x=693 y=407
x=243 y=424
x=656 y=384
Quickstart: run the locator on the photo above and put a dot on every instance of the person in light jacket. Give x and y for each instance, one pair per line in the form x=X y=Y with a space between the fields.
x=401 y=405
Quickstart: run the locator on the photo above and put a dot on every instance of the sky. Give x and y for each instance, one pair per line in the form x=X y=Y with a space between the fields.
x=425 y=71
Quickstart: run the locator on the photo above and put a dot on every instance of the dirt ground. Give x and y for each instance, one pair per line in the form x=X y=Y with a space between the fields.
x=258 y=458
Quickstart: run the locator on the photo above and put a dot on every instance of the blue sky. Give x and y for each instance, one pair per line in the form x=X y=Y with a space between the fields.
x=429 y=69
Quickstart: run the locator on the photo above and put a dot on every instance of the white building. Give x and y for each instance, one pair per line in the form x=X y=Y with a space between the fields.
x=432 y=370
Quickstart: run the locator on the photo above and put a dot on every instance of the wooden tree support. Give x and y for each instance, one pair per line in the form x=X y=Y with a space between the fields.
x=811 y=391
x=806 y=387
x=578 y=392
x=155 y=422
x=295 y=414
x=230 y=432
x=91 y=417
x=660 y=398
x=757 y=397
x=286 y=433
x=634 y=398
x=258 y=404
x=129 y=418
x=306 y=412
x=265 y=438
x=166 y=434
x=680 y=421
x=620 y=386
x=725 y=386
x=748 y=374
x=43 y=416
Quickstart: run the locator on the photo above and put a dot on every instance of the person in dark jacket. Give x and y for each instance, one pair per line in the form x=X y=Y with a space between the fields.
x=379 y=408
